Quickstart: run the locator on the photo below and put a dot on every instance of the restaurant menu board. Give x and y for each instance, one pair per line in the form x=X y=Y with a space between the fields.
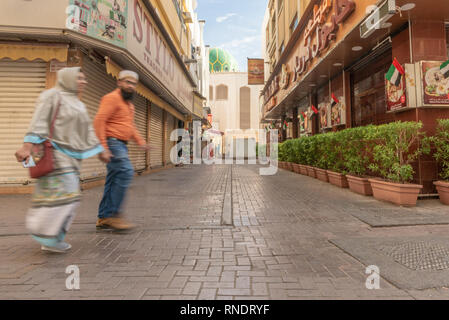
x=396 y=97
x=435 y=86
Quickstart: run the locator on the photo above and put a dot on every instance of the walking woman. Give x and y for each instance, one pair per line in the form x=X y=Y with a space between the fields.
x=57 y=194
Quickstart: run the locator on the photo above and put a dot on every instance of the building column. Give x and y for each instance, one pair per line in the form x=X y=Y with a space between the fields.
x=283 y=131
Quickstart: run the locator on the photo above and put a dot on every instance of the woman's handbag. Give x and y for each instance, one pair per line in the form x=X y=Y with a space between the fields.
x=43 y=153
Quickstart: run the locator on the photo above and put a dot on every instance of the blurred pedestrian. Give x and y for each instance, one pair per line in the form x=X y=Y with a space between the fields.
x=57 y=195
x=114 y=125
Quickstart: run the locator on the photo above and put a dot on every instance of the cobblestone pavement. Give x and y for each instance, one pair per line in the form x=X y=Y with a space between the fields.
x=277 y=248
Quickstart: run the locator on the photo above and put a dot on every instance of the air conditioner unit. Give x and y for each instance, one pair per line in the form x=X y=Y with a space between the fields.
x=376 y=19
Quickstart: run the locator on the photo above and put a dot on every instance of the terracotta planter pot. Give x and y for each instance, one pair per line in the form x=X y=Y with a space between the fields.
x=311 y=171
x=303 y=169
x=443 y=191
x=321 y=175
x=296 y=168
x=359 y=185
x=337 y=179
x=281 y=164
x=289 y=166
x=397 y=193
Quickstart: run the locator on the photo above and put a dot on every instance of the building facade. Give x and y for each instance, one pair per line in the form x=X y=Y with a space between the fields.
x=153 y=38
x=234 y=105
x=345 y=48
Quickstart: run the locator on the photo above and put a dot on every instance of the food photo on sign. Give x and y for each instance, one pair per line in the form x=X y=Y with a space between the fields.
x=435 y=82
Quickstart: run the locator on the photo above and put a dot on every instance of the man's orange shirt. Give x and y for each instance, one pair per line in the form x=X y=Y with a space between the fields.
x=115 y=119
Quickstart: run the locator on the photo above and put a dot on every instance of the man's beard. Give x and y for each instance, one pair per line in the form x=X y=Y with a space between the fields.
x=127 y=96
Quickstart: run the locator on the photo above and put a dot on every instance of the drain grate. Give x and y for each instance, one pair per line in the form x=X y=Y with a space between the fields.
x=419 y=255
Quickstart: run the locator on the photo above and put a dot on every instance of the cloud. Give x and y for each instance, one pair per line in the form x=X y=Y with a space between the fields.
x=238 y=42
x=226 y=17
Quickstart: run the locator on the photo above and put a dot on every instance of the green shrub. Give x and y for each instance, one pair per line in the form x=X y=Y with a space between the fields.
x=441 y=143
x=396 y=147
x=357 y=149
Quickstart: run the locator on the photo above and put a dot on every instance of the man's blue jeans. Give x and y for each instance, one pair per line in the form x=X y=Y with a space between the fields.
x=120 y=175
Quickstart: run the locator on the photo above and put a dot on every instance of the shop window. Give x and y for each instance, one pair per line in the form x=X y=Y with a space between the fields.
x=211 y=93
x=245 y=108
x=222 y=92
x=368 y=93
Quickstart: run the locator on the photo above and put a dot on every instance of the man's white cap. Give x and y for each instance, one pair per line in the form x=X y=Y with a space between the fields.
x=128 y=74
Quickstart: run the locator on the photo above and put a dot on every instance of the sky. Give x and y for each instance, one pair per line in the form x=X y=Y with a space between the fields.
x=234 y=25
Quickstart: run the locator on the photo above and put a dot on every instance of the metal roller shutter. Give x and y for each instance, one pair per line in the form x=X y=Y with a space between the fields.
x=138 y=156
x=169 y=144
x=99 y=84
x=156 y=136
x=21 y=82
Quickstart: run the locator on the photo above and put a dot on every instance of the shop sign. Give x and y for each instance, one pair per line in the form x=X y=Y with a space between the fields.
x=324 y=114
x=338 y=112
x=396 y=95
x=435 y=87
x=105 y=20
x=256 y=73
x=317 y=36
x=285 y=77
x=320 y=32
x=148 y=45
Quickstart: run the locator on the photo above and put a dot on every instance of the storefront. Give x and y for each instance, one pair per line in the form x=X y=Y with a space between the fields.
x=27 y=67
x=337 y=60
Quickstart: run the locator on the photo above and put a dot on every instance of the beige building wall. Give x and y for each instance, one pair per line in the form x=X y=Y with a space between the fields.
x=282 y=16
x=39 y=14
x=226 y=112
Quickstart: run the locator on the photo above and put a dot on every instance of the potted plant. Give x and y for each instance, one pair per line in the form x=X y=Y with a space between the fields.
x=289 y=154
x=310 y=155
x=281 y=156
x=301 y=156
x=357 y=157
x=441 y=143
x=397 y=146
x=322 y=147
x=295 y=160
x=335 y=153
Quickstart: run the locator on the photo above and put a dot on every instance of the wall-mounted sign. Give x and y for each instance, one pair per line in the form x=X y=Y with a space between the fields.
x=396 y=95
x=256 y=73
x=318 y=35
x=435 y=88
x=338 y=112
x=285 y=77
x=105 y=20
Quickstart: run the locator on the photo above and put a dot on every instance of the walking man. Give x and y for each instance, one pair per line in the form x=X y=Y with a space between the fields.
x=114 y=126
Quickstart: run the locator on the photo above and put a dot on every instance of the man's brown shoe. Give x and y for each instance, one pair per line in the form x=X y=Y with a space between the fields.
x=114 y=223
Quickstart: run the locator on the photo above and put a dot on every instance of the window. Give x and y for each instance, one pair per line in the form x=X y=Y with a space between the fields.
x=222 y=92
x=273 y=25
x=294 y=24
x=211 y=93
x=245 y=108
x=281 y=48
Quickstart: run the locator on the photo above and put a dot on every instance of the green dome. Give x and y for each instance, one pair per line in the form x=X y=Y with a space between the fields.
x=222 y=61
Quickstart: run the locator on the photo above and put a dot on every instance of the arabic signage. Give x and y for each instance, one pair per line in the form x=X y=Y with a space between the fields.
x=148 y=45
x=435 y=86
x=256 y=73
x=101 y=19
x=320 y=31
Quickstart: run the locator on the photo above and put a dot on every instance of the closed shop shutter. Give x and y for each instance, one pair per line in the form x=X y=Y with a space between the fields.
x=169 y=144
x=21 y=82
x=99 y=84
x=156 y=136
x=136 y=155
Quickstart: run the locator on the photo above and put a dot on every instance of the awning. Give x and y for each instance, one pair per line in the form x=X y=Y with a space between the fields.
x=113 y=69
x=33 y=52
